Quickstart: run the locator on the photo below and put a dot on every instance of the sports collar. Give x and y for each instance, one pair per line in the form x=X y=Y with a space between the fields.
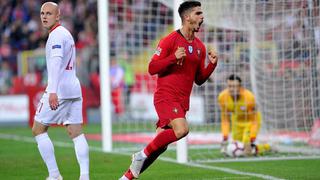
x=54 y=27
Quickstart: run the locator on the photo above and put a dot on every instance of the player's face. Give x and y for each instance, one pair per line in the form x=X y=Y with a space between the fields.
x=49 y=15
x=234 y=87
x=195 y=18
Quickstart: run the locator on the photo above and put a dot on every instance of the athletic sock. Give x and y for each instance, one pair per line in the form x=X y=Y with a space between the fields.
x=163 y=139
x=152 y=157
x=46 y=150
x=82 y=153
x=128 y=175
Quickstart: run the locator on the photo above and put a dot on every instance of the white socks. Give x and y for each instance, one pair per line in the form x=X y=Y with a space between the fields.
x=82 y=152
x=46 y=150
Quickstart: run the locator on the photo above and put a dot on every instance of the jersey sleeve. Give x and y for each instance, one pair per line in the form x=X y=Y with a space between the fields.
x=163 y=57
x=203 y=72
x=53 y=74
x=225 y=120
x=56 y=49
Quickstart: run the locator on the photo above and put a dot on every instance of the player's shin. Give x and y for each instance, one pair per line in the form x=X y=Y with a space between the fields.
x=46 y=150
x=152 y=158
x=162 y=140
x=82 y=152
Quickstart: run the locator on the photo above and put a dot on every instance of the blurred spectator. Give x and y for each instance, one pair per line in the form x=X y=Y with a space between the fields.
x=129 y=78
x=117 y=80
x=5 y=77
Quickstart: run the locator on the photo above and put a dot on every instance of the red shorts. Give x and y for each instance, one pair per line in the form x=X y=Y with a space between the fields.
x=168 y=111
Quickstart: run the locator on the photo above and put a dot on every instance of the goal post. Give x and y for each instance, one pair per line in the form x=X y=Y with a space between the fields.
x=106 y=121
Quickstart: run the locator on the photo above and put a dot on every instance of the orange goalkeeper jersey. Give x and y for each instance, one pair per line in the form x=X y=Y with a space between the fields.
x=242 y=112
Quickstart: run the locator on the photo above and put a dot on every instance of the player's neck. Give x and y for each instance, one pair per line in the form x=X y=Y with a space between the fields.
x=236 y=98
x=187 y=33
x=54 y=27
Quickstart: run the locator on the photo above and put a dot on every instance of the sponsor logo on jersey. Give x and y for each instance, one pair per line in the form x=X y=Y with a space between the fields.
x=158 y=51
x=243 y=108
x=56 y=46
x=190 y=48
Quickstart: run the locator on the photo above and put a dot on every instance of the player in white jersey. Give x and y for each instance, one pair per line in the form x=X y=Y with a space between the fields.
x=62 y=100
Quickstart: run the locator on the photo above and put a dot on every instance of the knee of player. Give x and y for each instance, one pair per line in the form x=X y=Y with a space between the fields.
x=34 y=131
x=181 y=132
x=37 y=130
x=74 y=133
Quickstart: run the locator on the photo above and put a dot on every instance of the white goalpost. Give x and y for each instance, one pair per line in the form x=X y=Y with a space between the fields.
x=106 y=121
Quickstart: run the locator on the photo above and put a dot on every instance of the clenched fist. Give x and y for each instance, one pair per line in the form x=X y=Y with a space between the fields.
x=180 y=55
x=212 y=54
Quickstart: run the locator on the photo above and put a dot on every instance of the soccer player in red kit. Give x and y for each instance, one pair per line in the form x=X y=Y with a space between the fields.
x=178 y=61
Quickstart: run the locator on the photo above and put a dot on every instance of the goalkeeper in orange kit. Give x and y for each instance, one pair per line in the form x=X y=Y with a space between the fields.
x=238 y=108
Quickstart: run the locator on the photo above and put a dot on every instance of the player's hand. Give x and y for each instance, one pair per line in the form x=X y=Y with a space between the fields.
x=212 y=54
x=254 y=150
x=224 y=145
x=53 y=101
x=180 y=55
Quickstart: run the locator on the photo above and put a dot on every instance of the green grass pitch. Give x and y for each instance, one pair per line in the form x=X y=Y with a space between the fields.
x=20 y=160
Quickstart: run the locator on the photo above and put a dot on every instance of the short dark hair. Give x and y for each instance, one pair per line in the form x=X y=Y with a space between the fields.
x=233 y=77
x=185 y=6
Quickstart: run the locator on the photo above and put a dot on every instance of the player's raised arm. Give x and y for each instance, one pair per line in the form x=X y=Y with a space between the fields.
x=162 y=59
x=203 y=72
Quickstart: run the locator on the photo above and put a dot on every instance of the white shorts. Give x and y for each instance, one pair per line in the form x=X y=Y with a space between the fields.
x=68 y=112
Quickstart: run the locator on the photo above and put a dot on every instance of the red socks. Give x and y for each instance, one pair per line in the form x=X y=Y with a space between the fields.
x=128 y=174
x=162 y=140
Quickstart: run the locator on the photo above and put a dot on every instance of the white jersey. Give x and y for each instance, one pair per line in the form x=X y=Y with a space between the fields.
x=60 y=44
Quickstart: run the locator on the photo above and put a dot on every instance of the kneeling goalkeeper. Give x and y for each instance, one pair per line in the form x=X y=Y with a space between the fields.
x=238 y=108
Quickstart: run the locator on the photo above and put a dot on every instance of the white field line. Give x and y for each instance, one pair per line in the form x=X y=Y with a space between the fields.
x=70 y=145
x=254 y=159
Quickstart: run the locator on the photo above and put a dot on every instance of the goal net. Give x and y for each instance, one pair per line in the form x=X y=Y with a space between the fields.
x=273 y=45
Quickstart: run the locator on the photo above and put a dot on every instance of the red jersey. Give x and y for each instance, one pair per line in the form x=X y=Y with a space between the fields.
x=175 y=82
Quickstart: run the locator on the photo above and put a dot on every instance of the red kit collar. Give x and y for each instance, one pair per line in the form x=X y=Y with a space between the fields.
x=54 y=27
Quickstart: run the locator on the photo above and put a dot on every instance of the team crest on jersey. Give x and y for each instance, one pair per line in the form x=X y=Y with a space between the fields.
x=158 y=51
x=198 y=51
x=190 y=48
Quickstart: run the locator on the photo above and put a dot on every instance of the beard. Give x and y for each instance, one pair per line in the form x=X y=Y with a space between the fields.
x=198 y=25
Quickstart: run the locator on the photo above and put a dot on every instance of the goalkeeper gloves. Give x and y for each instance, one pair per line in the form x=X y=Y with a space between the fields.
x=254 y=149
